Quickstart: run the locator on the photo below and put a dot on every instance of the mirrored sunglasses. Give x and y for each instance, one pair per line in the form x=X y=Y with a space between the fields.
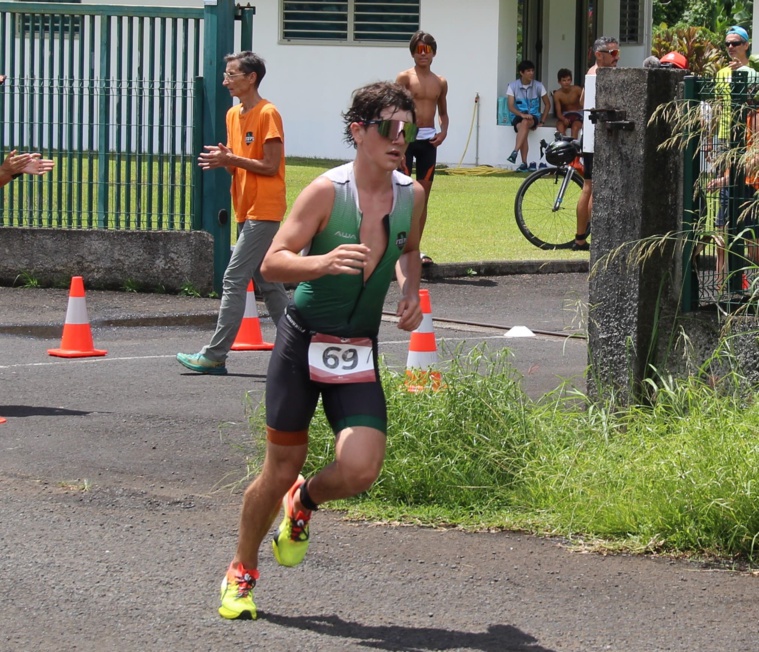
x=391 y=129
x=613 y=53
x=423 y=48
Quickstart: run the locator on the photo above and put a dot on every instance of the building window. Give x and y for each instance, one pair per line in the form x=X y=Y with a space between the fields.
x=631 y=21
x=50 y=22
x=350 y=21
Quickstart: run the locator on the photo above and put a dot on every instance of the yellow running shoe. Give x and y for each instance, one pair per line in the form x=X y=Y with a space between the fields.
x=237 y=593
x=291 y=543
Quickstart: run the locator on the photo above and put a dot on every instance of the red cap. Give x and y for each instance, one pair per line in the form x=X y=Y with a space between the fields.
x=675 y=59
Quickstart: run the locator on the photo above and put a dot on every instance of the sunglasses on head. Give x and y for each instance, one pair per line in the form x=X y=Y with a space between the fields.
x=391 y=129
x=733 y=44
x=613 y=53
x=423 y=48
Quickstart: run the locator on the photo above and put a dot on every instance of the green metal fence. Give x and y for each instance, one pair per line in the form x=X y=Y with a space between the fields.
x=115 y=95
x=720 y=191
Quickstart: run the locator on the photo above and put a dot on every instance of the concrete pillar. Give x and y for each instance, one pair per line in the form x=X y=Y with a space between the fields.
x=637 y=194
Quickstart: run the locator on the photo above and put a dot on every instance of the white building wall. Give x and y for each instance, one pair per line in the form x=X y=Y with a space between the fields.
x=311 y=85
x=477 y=41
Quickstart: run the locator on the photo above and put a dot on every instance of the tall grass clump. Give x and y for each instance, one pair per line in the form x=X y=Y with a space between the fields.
x=452 y=454
x=678 y=475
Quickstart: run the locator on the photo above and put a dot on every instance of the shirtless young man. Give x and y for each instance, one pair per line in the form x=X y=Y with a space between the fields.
x=566 y=104
x=430 y=95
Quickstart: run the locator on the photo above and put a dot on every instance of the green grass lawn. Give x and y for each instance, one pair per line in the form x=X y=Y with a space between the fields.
x=470 y=217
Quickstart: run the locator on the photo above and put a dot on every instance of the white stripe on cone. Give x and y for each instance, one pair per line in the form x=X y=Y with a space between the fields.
x=421 y=360
x=426 y=325
x=76 y=313
x=251 y=312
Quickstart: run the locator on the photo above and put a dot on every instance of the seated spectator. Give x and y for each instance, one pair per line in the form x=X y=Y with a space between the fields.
x=524 y=96
x=566 y=105
x=16 y=164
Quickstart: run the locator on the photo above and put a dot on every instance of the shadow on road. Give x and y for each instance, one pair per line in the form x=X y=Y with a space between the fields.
x=38 y=411
x=469 y=281
x=191 y=374
x=498 y=638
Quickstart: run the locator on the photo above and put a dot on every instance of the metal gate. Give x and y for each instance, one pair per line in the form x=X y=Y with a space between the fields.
x=116 y=96
x=721 y=194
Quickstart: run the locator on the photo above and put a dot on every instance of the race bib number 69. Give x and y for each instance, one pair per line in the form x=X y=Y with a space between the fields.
x=341 y=359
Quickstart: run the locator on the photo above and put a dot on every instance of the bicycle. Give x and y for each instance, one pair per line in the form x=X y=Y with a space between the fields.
x=546 y=202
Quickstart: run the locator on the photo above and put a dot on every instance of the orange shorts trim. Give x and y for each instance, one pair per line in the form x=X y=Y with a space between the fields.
x=287 y=437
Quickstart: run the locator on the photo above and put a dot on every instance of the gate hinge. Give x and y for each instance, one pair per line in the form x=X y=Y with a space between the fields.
x=614 y=119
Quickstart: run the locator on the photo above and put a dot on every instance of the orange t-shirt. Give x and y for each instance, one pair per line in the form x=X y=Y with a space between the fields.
x=256 y=196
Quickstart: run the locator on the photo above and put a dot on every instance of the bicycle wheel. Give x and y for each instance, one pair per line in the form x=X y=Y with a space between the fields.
x=534 y=208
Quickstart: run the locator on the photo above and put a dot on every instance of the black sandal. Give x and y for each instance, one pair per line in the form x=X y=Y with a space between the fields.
x=584 y=246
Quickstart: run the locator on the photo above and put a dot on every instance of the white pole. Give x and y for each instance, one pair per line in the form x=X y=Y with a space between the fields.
x=477 y=135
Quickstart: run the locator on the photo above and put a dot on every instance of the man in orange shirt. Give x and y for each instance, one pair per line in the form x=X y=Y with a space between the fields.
x=255 y=157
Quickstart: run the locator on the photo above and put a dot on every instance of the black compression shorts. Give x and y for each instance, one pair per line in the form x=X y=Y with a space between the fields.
x=425 y=154
x=291 y=395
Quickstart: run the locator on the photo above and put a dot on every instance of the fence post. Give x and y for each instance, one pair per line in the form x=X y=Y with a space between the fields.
x=637 y=200
x=246 y=27
x=104 y=97
x=690 y=173
x=218 y=34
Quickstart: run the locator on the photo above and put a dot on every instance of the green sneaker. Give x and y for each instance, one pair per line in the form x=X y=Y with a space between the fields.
x=237 y=593
x=291 y=543
x=201 y=364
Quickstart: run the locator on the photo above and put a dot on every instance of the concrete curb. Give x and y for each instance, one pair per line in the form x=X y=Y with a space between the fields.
x=504 y=268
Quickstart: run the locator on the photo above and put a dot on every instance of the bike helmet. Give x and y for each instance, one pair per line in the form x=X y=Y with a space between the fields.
x=674 y=60
x=561 y=152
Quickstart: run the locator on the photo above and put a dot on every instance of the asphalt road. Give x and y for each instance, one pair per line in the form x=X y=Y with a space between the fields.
x=120 y=482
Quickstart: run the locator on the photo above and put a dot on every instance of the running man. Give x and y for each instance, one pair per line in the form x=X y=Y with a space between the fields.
x=255 y=157
x=357 y=223
x=430 y=93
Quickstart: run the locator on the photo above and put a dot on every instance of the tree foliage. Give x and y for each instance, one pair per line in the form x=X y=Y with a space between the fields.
x=698 y=44
x=714 y=16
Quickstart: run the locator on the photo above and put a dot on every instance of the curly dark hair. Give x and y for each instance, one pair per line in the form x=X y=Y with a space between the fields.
x=369 y=102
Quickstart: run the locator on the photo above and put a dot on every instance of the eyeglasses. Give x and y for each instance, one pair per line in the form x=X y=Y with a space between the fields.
x=391 y=129
x=613 y=53
x=733 y=44
x=423 y=48
x=228 y=75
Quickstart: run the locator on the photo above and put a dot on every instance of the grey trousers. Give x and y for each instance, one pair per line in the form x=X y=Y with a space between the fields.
x=252 y=244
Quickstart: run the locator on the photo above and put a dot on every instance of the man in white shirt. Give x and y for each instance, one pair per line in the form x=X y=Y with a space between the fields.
x=606 y=53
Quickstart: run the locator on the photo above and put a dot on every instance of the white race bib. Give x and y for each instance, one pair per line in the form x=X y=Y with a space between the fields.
x=341 y=359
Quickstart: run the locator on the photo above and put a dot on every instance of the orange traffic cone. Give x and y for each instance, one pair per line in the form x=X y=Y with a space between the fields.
x=422 y=352
x=77 y=336
x=249 y=336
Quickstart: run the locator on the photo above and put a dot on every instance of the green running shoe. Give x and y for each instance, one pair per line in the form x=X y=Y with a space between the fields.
x=201 y=364
x=237 y=593
x=291 y=543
